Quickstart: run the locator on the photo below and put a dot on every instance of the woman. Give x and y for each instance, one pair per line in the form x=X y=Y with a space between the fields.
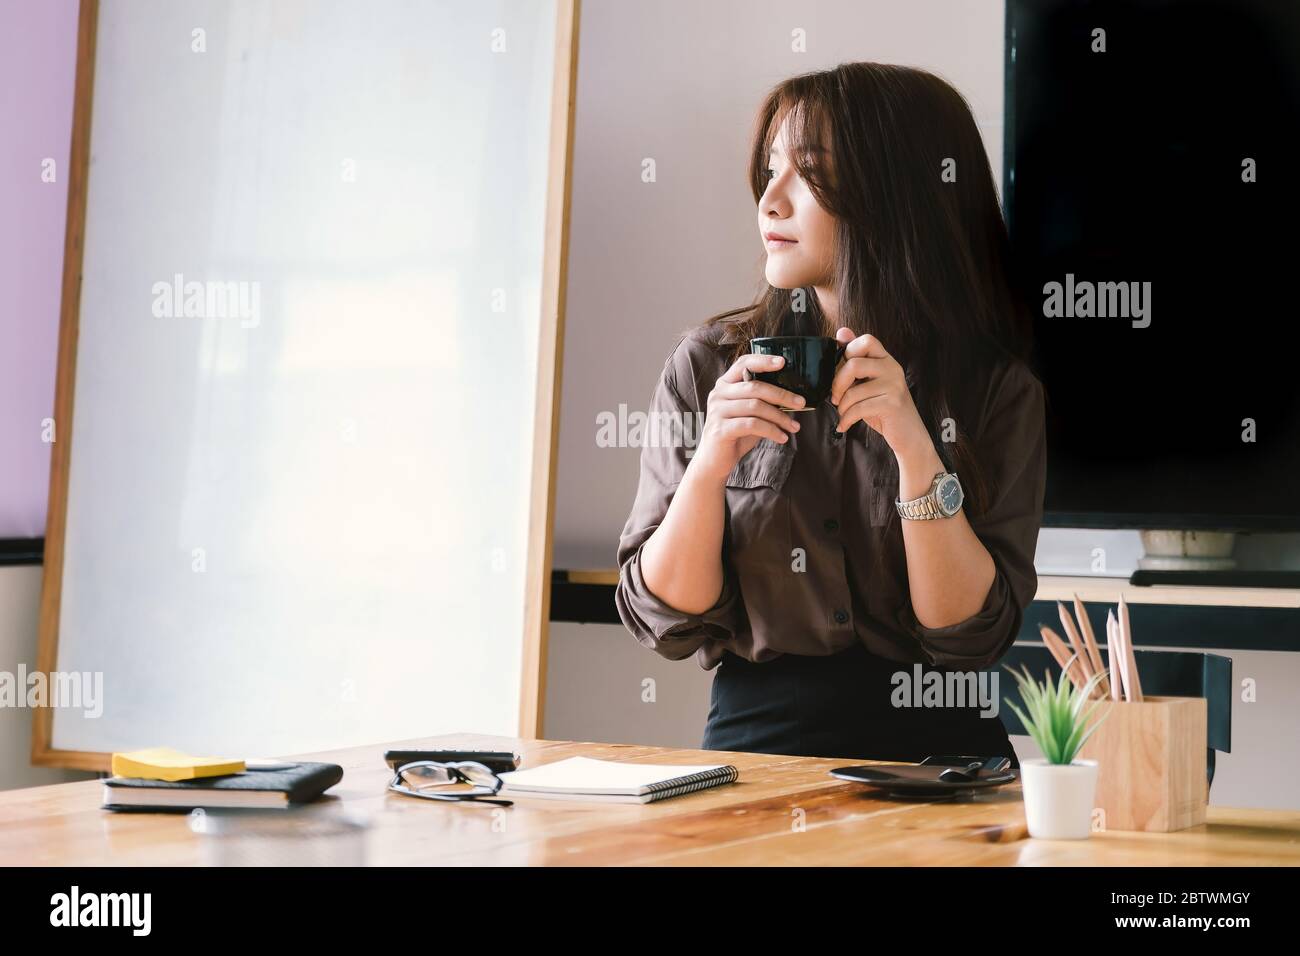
x=776 y=550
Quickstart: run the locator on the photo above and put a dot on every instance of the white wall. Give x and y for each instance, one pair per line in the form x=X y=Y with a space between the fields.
x=20 y=600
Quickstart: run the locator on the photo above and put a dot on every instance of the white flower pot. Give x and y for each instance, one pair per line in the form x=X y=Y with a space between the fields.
x=1059 y=798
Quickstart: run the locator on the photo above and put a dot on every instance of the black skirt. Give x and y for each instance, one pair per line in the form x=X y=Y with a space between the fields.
x=841 y=705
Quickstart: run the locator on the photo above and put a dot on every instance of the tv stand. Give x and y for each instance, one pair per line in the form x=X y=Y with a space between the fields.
x=1201 y=559
x=1233 y=578
x=1163 y=615
x=1095 y=588
x=1176 y=615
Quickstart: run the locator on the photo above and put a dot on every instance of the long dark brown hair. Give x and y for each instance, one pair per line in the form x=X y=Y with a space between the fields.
x=920 y=262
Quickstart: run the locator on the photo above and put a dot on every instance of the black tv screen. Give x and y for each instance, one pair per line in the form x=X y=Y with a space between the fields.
x=1151 y=186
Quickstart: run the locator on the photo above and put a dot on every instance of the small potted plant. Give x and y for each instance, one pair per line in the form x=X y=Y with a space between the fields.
x=1059 y=790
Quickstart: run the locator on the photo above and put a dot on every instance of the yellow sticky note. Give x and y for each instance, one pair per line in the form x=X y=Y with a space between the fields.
x=164 y=763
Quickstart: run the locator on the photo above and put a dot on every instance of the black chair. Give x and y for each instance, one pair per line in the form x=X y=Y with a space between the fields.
x=1163 y=674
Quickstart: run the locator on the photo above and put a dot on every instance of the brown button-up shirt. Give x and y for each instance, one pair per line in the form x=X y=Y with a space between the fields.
x=811 y=562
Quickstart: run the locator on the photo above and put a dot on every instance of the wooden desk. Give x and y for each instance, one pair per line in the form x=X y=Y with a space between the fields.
x=783 y=811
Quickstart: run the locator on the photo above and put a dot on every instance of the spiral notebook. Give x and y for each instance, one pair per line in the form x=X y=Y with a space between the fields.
x=609 y=781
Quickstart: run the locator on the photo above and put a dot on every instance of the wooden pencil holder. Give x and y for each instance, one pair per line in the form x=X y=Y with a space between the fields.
x=1151 y=763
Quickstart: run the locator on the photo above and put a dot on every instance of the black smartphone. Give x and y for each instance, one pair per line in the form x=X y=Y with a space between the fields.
x=952 y=760
x=498 y=761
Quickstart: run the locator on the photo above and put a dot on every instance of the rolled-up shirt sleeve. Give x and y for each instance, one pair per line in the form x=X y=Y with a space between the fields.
x=1013 y=450
x=665 y=453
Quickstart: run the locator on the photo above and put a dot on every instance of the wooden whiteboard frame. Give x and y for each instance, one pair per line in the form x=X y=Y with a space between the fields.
x=550 y=350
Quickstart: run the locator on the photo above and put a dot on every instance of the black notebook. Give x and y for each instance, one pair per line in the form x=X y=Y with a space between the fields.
x=252 y=788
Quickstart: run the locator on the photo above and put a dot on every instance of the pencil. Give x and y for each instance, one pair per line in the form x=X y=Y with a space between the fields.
x=1090 y=639
x=1115 y=650
x=1075 y=643
x=1061 y=653
x=1132 y=684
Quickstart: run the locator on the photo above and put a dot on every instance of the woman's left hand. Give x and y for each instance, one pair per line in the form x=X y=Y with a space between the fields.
x=870 y=386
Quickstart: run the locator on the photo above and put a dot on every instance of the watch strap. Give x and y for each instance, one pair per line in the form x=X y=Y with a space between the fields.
x=924 y=508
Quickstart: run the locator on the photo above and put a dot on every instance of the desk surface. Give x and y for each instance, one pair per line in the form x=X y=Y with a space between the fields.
x=783 y=810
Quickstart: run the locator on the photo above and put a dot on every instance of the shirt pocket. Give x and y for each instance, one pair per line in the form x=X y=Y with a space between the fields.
x=758 y=519
x=881 y=508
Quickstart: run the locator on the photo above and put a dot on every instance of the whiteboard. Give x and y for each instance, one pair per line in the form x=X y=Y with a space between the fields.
x=298 y=492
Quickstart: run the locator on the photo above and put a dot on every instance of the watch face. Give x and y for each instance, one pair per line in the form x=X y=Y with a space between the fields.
x=950 y=495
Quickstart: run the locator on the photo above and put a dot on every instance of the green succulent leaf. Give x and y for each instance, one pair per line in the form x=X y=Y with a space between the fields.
x=1056 y=716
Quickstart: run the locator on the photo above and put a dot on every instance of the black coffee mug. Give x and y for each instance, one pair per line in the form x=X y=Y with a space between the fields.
x=809 y=367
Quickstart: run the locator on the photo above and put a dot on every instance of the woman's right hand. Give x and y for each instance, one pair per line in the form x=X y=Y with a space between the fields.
x=741 y=411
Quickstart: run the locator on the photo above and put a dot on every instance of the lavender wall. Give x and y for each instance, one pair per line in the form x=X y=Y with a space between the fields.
x=38 y=46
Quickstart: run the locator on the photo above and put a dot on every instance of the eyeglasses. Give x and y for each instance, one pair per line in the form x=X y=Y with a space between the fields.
x=419 y=779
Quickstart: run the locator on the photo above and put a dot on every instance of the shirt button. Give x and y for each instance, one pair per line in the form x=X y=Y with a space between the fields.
x=836 y=435
x=841 y=616
x=831 y=525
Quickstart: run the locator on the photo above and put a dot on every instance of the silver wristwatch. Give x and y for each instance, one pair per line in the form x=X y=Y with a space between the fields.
x=943 y=500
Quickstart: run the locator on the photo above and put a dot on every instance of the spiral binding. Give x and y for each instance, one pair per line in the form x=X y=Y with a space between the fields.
x=692 y=782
